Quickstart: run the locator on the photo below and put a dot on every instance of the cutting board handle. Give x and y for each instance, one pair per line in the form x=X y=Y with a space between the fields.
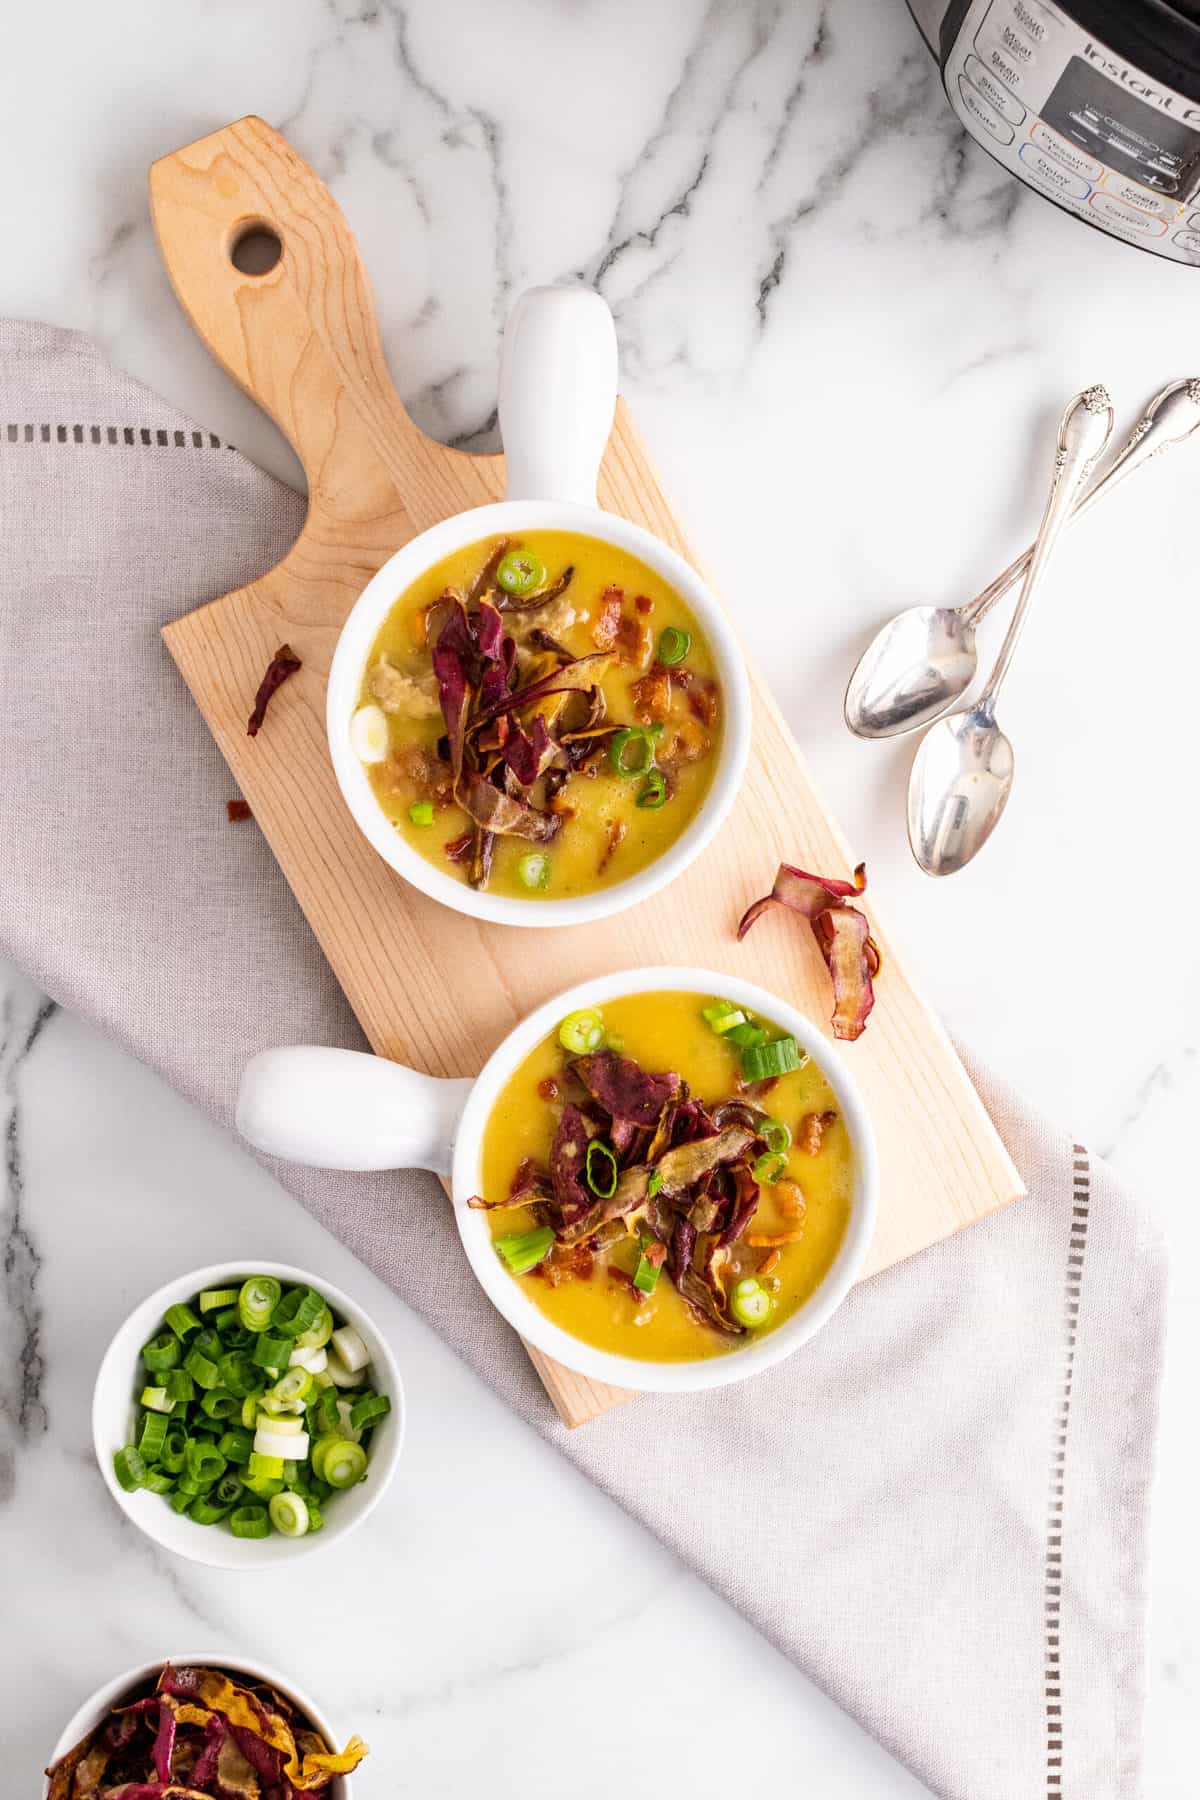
x=300 y=336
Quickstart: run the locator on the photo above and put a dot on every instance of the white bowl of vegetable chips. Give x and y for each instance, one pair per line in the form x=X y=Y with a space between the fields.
x=246 y=1415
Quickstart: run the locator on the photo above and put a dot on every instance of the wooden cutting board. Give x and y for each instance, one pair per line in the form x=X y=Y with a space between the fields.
x=303 y=340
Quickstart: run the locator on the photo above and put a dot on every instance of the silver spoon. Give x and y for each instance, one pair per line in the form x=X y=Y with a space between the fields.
x=918 y=664
x=962 y=775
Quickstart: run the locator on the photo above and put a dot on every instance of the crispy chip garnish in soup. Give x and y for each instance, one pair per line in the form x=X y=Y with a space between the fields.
x=539 y=716
x=652 y=1200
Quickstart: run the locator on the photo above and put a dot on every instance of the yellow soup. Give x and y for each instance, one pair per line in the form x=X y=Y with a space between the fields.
x=581 y=823
x=786 y=1249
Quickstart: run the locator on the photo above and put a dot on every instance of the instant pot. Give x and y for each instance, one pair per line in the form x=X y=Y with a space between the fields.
x=1095 y=104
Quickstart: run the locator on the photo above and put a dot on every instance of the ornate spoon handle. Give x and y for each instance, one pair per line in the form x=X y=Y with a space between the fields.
x=1171 y=418
x=1082 y=435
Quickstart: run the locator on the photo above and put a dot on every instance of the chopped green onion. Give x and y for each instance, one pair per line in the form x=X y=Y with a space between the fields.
x=287 y=1425
x=520 y=573
x=340 y=1463
x=207 y=1511
x=762 y=1062
x=157 y=1481
x=367 y=1408
x=203 y=1461
x=776 y=1135
x=770 y=1166
x=233 y=1333
x=600 y=1170
x=296 y=1312
x=534 y=870
x=250 y=1411
x=152 y=1436
x=157 y=1400
x=524 y=1250
x=181 y=1319
x=257 y=1300
x=722 y=1016
x=162 y=1352
x=340 y=1376
x=350 y=1348
x=228 y=1489
x=745 y=1036
x=325 y=1407
x=171 y=1455
x=236 y=1444
x=645 y=1276
x=271 y=1352
x=315 y=1521
x=260 y=1467
x=653 y=792
x=289 y=1514
x=654 y=1183
x=643 y=738
x=202 y=1369
x=421 y=812
x=241 y=1374
x=582 y=1032
x=179 y=1385
x=179 y=1501
x=263 y=1485
x=219 y=1403
x=214 y=1298
x=319 y=1334
x=750 y=1303
x=673 y=646
x=250 y=1522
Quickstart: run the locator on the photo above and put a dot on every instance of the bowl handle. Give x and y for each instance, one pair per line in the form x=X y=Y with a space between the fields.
x=558 y=392
x=343 y=1109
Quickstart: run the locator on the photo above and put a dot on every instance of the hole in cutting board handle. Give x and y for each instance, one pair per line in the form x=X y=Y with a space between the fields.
x=256 y=249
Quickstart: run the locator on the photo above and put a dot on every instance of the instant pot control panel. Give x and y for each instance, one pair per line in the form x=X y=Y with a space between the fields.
x=1076 y=121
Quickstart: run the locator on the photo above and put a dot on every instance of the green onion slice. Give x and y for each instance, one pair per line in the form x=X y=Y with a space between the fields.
x=318 y=1334
x=645 y=1276
x=582 y=1032
x=339 y=1462
x=600 y=1170
x=523 y=1250
x=519 y=573
x=673 y=646
x=236 y=1445
x=653 y=791
x=257 y=1301
x=219 y=1403
x=325 y=1408
x=179 y=1501
x=152 y=1436
x=289 y=1514
x=181 y=1319
x=212 y=1299
x=744 y=1036
x=296 y=1313
x=207 y=1511
x=762 y=1062
x=315 y=1521
x=179 y=1385
x=770 y=1166
x=157 y=1481
x=655 y=1182
x=293 y=1384
x=776 y=1135
x=202 y=1369
x=534 y=870
x=722 y=1016
x=750 y=1303
x=261 y=1467
x=171 y=1455
x=421 y=812
x=250 y=1522
x=203 y=1461
x=162 y=1352
x=642 y=738
x=272 y=1352
x=157 y=1400
x=240 y=1374
x=367 y=1409
x=263 y=1485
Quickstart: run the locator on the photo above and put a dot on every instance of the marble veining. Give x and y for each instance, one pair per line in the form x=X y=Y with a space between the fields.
x=848 y=337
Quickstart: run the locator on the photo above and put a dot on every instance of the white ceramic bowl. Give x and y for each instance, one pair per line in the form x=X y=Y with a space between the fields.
x=560 y=341
x=114 y=1404
x=93 y=1710
x=343 y=1109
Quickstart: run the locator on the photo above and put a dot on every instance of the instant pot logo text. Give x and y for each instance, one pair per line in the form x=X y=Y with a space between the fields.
x=1135 y=83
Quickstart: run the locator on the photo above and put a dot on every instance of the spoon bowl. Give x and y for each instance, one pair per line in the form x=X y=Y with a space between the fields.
x=961 y=780
x=913 y=669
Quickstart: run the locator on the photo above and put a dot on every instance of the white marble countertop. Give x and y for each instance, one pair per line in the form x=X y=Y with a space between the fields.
x=846 y=335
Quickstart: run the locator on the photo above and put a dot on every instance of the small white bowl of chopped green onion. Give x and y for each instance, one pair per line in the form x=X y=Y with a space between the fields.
x=244 y=1415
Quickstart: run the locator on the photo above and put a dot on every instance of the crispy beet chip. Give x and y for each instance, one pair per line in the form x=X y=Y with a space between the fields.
x=285 y=662
x=624 y=1088
x=547 y=685
x=543 y=596
x=527 y=753
x=236 y=811
x=497 y=812
x=450 y=657
x=568 y=1154
x=164 y=1744
x=682 y=1168
x=842 y=933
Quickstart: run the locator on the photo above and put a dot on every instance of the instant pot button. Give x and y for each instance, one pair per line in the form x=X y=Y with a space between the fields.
x=993 y=90
x=1193 y=222
x=1065 y=153
x=988 y=117
x=1133 y=194
x=1188 y=240
x=1055 y=177
x=1033 y=20
x=1001 y=67
x=1128 y=216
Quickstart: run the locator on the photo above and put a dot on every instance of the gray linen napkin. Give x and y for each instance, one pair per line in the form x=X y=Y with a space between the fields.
x=937 y=1509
